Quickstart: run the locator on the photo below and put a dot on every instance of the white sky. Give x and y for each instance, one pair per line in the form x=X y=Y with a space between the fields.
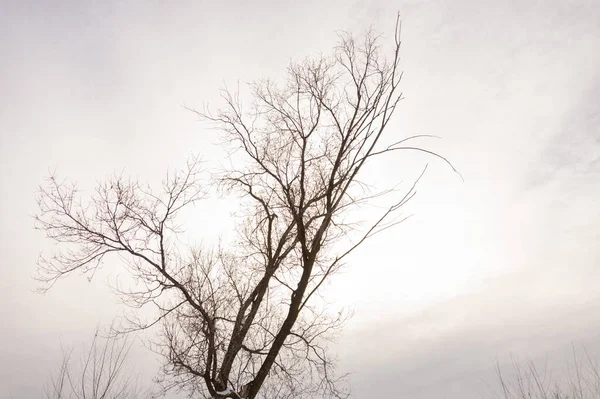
x=505 y=262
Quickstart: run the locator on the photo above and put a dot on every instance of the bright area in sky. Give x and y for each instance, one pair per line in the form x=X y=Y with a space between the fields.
x=505 y=261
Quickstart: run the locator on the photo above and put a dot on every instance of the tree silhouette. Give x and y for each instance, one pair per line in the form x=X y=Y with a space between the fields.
x=243 y=322
x=102 y=373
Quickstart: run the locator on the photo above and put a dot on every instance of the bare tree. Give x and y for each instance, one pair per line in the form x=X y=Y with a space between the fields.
x=244 y=322
x=580 y=380
x=102 y=373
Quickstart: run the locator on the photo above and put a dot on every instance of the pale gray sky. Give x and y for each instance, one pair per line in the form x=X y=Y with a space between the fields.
x=507 y=261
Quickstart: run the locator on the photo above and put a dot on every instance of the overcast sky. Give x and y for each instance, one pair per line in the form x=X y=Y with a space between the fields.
x=507 y=261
